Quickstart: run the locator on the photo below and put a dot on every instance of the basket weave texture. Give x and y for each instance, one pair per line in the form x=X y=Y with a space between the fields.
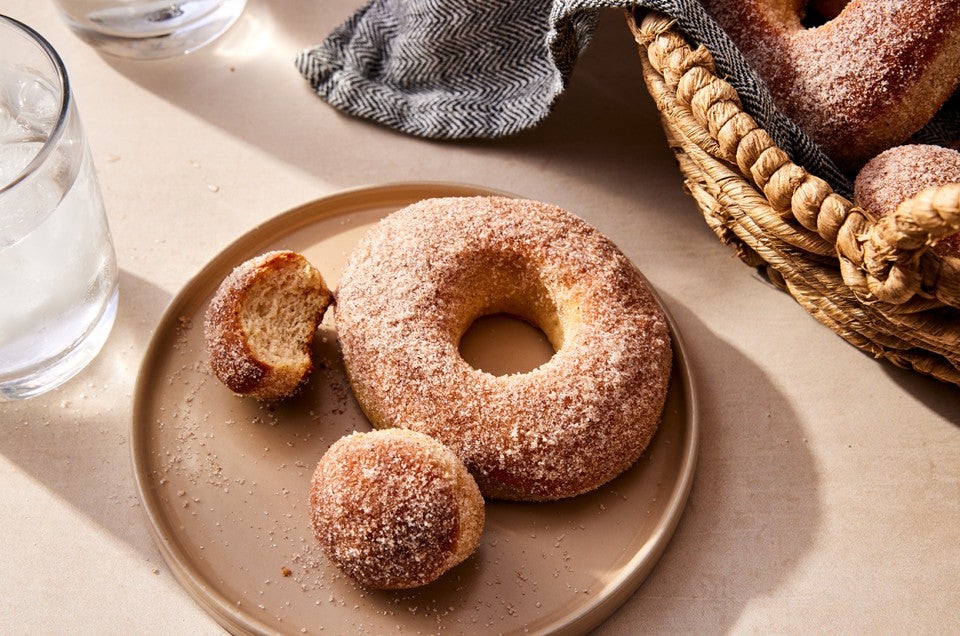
x=878 y=284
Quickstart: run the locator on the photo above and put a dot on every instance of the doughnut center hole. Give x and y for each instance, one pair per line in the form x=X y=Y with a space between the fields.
x=819 y=12
x=502 y=344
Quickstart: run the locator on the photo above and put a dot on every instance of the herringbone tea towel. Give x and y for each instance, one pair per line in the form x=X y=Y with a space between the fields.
x=487 y=68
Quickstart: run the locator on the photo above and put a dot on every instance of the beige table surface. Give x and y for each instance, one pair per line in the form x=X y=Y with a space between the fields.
x=827 y=495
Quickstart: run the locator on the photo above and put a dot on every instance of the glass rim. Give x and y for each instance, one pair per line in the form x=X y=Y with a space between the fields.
x=57 y=132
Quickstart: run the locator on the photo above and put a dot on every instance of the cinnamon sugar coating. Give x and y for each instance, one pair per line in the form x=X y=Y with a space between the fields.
x=901 y=173
x=394 y=509
x=860 y=83
x=420 y=277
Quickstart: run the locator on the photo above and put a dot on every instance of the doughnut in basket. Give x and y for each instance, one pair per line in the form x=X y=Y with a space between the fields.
x=880 y=282
x=901 y=173
x=865 y=80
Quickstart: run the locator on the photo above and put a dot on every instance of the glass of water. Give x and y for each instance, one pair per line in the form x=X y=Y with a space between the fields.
x=148 y=29
x=58 y=269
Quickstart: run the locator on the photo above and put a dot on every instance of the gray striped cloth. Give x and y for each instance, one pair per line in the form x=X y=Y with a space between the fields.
x=454 y=69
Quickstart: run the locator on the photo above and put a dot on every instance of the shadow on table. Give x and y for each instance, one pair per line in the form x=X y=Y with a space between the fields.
x=754 y=509
x=80 y=449
x=939 y=397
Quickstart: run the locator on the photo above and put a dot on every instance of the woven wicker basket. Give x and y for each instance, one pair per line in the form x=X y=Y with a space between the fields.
x=876 y=284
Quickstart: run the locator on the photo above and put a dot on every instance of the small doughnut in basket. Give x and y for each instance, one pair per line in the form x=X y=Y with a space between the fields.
x=419 y=278
x=260 y=325
x=394 y=509
x=901 y=173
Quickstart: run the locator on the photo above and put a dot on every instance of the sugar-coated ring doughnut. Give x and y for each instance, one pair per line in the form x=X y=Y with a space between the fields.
x=394 y=509
x=859 y=83
x=419 y=278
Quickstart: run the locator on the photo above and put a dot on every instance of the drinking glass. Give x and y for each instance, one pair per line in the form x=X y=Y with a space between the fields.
x=148 y=29
x=58 y=269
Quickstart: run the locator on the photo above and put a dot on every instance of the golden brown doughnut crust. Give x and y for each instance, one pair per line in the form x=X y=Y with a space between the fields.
x=239 y=316
x=901 y=173
x=860 y=83
x=419 y=278
x=394 y=509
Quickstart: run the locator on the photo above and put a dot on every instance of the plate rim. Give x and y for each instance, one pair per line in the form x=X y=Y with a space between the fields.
x=237 y=621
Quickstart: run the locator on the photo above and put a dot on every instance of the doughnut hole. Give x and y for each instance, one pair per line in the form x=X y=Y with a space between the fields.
x=514 y=326
x=819 y=12
x=502 y=344
x=901 y=173
x=394 y=509
x=260 y=324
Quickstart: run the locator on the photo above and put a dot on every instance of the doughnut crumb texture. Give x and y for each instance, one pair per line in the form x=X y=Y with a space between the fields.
x=394 y=509
x=420 y=277
x=260 y=324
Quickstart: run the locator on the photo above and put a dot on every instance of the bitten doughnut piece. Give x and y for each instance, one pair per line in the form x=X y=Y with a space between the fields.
x=900 y=174
x=394 y=509
x=259 y=327
x=420 y=277
x=861 y=82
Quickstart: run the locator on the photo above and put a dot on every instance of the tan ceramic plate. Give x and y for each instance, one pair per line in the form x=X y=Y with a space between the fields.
x=224 y=480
